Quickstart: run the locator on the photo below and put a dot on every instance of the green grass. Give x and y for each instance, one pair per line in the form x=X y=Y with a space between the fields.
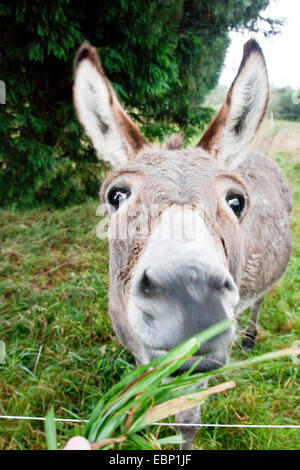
x=53 y=294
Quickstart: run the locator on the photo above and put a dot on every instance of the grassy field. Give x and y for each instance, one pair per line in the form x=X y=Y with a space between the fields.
x=62 y=351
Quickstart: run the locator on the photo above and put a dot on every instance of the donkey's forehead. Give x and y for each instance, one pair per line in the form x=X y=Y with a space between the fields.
x=175 y=166
x=181 y=176
x=184 y=159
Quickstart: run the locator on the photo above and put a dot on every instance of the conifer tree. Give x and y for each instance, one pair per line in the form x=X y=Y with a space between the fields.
x=162 y=57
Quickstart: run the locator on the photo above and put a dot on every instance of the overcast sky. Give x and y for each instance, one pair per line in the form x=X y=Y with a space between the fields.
x=281 y=51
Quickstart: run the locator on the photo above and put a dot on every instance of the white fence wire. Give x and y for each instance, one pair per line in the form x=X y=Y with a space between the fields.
x=200 y=425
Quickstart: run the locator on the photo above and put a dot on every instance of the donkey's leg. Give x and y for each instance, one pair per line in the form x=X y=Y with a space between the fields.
x=188 y=432
x=249 y=340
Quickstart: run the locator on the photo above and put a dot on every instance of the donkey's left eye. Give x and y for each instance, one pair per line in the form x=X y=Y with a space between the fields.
x=117 y=196
x=236 y=202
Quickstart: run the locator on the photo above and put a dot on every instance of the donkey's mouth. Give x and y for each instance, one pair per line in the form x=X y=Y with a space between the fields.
x=205 y=363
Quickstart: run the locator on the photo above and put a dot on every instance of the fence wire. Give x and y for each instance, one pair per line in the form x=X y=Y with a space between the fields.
x=199 y=425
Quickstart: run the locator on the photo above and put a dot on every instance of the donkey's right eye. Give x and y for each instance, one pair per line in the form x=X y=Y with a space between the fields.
x=117 y=196
x=236 y=202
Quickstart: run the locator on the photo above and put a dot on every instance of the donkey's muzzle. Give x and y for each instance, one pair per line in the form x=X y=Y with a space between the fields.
x=172 y=303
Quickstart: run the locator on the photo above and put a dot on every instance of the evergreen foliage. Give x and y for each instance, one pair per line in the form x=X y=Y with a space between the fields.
x=285 y=104
x=162 y=57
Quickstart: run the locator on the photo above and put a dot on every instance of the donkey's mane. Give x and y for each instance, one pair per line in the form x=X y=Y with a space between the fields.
x=174 y=142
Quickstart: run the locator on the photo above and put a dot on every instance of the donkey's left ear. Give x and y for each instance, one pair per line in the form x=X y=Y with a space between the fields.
x=234 y=127
x=114 y=136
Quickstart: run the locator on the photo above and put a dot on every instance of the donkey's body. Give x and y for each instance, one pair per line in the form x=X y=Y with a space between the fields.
x=267 y=246
x=267 y=251
x=225 y=209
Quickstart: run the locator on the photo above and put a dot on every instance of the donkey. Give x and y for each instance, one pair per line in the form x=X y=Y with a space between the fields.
x=225 y=210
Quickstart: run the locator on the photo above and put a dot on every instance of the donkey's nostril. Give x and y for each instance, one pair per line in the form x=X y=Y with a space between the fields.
x=219 y=281
x=146 y=285
x=228 y=284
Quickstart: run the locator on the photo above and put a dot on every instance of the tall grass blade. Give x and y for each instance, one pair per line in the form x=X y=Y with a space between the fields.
x=50 y=430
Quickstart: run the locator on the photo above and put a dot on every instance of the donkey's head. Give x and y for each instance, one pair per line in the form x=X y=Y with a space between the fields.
x=176 y=244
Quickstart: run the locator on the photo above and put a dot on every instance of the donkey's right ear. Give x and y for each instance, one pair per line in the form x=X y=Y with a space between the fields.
x=114 y=136
x=236 y=124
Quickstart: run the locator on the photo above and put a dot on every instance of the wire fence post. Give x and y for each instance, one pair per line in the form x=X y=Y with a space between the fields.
x=2 y=352
x=2 y=92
